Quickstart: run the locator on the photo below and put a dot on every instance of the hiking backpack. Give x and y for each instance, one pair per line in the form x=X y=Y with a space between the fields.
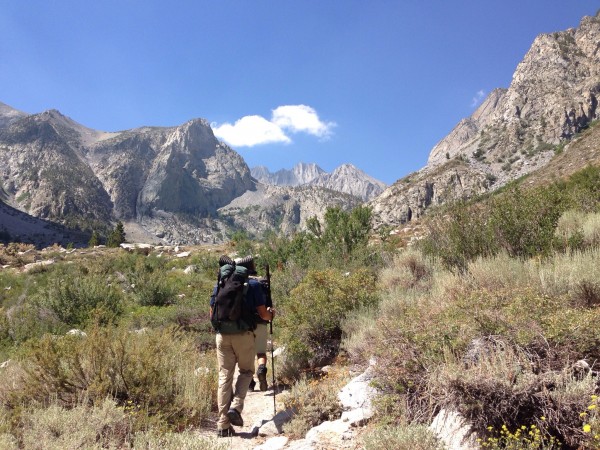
x=230 y=312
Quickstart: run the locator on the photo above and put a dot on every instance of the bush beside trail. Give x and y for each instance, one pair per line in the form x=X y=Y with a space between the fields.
x=502 y=330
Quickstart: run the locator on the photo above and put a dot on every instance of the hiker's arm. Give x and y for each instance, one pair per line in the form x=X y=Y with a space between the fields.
x=264 y=313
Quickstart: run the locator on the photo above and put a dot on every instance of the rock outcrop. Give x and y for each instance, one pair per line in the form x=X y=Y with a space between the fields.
x=553 y=95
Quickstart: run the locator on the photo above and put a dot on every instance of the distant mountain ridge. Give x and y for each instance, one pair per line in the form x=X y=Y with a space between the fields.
x=346 y=178
x=301 y=173
x=164 y=183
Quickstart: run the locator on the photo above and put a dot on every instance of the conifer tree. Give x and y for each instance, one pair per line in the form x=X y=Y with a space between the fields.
x=93 y=240
x=117 y=236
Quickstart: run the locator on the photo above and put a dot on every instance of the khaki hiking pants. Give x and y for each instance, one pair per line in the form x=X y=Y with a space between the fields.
x=231 y=349
x=260 y=342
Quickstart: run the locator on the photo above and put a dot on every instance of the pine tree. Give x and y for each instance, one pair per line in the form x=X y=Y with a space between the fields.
x=93 y=240
x=117 y=236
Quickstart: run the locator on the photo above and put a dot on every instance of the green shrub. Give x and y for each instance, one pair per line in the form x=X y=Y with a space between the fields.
x=27 y=321
x=496 y=342
x=524 y=221
x=458 y=235
x=311 y=317
x=75 y=301
x=152 y=371
x=152 y=289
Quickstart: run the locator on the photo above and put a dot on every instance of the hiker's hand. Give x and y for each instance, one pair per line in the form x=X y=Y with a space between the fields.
x=272 y=311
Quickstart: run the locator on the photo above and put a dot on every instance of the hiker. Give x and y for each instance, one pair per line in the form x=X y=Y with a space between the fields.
x=235 y=337
x=260 y=342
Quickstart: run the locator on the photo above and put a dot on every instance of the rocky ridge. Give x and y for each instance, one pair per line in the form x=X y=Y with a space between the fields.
x=166 y=184
x=514 y=132
x=346 y=178
x=301 y=173
x=56 y=169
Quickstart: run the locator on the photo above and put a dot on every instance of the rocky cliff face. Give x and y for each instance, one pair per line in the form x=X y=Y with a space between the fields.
x=43 y=171
x=301 y=173
x=53 y=168
x=553 y=95
x=181 y=169
x=346 y=178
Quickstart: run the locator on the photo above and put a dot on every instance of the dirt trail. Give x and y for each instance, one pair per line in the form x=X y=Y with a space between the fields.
x=258 y=412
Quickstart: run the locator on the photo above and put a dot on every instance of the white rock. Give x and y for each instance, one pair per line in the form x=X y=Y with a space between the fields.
x=301 y=444
x=454 y=431
x=76 y=332
x=201 y=370
x=357 y=417
x=279 y=351
x=190 y=269
x=30 y=266
x=182 y=255
x=5 y=364
x=358 y=393
x=330 y=431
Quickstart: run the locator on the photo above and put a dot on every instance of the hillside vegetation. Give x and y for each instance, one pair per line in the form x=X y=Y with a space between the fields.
x=494 y=315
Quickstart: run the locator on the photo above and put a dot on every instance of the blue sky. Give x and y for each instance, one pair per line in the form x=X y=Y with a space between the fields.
x=373 y=83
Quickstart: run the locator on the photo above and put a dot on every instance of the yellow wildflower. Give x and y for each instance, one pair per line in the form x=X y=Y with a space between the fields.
x=587 y=428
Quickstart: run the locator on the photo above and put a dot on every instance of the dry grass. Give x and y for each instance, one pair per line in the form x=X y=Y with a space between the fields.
x=405 y=437
x=496 y=343
x=57 y=428
x=314 y=401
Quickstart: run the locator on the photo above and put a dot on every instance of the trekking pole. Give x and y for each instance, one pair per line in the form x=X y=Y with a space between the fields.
x=270 y=300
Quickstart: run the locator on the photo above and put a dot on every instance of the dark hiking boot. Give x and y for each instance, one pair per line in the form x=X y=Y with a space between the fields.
x=261 y=373
x=252 y=385
x=235 y=417
x=227 y=432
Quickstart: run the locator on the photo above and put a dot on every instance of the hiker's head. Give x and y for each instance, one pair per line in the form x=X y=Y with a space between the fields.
x=248 y=263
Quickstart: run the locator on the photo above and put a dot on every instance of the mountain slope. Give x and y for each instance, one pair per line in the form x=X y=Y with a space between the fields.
x=552 y=97
x=9 y=115
x=177 y=184
x=53 y=168
x=45 y=174
x=283 y=208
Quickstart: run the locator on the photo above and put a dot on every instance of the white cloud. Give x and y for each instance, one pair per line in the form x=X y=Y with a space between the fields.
x=477 y=99
x=256 y=130
x=250 y=131
x=301 y=118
